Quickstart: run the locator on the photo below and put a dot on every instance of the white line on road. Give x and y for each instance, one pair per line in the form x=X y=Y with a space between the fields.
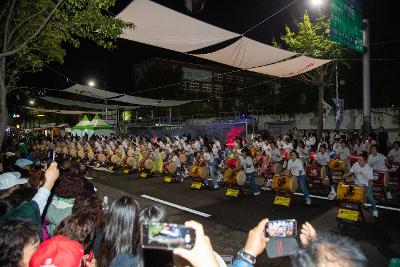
x=177 y=206
x=369 y=205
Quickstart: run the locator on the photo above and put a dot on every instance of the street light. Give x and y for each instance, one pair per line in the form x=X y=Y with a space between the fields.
x=317 y=3
x=91 y=83
x=31 y=102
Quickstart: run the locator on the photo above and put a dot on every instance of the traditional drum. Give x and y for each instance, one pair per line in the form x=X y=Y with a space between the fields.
x=198 y=171
x=65 y=150
x=90 y=155
x=353 y=159
x=130 y=152
x=228 y=175
x=233 y=164
x=163 y=155
x=72 y=152
x=101 y=157
x=182 y=158
x=148 y=164
x=115 y=159
x=130 y=161
x=353 y=193
x=381 y=179
x=240 y=178
x=81 y=154
x=316 y=171
x=277 y=168
x=171 y=168
x=145 y=154
x=287 y=183
x=337 y=165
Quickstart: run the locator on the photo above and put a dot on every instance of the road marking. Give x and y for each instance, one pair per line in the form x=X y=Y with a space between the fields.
x=177 y=206
x=369 y=205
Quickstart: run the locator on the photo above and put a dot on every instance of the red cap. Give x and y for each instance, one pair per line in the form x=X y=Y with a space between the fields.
x=58 y=251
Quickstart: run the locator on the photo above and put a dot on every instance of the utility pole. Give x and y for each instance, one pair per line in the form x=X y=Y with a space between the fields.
x=366 y=80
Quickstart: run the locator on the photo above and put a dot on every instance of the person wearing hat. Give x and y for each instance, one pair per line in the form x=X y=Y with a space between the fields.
x=33 y=210
x=9 y=182
x=24 y=163
x=58 y=252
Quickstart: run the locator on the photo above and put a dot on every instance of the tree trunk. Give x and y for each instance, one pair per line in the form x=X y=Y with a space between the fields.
x=320 y=110
x=3 y=101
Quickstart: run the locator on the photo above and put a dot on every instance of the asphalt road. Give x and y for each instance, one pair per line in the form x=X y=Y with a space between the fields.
x=379 y=239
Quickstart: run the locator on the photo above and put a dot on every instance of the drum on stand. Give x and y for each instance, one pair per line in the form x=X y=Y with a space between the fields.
x=203 y=172
x=228 y=175
x=381 y=179
x=352 y=193
x=145 y=154
x=277 y=168
x=337 y=165
x=115 y=159
x=285 y=183
x=148 y=164
x=182 y=159
x=172 y=167
x=193 y=171
x=130 y=152
x=130 y=161
x=163 y=155
x=240 y=178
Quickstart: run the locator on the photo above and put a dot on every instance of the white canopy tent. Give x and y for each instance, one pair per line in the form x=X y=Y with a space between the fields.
x=100 y=127
x=160 y=26
x=68 y=102
x=135 y=100
x=163 y=27
x=83 y=127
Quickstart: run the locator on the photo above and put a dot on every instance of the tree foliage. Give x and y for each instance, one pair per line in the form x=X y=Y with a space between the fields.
x=33 y=33
x=312 y=39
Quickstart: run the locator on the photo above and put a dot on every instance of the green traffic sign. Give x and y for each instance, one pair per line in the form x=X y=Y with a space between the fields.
x=346 y=24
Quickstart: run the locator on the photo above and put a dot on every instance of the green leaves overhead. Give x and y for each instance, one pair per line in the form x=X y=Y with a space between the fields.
x=72 y=21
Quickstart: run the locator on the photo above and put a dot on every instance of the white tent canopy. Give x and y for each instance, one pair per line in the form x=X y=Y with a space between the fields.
x=135 y=100
x=291 y=67
x=91 y=91
x=246 y=53
x=100 y=127
x=150 y=102
x=68 y=102
x=163 y=27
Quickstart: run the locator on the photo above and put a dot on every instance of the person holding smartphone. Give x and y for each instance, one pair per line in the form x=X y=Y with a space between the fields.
x=363 y=177
x=296 y=168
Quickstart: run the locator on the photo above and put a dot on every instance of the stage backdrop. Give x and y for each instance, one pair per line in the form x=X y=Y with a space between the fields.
x=223 y=131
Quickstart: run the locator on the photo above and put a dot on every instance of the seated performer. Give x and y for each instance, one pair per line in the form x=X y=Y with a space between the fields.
x=394 y=153
x=378 y=163
x=276 y=156
x=296 y=168
x=322 y=160
x=363 y=177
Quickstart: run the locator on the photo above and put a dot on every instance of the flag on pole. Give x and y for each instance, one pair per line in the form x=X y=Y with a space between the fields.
x=326 y=109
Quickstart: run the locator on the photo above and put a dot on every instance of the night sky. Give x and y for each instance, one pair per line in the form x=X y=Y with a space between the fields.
x=113 y=70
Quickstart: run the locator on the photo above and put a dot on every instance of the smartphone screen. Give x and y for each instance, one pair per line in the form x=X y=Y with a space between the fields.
x=167 y=236
x=281 y=228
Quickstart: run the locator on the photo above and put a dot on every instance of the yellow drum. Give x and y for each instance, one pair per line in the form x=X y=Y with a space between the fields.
x=115 y=159
x=200 y=172
x=130 y=152
x=90 y=155
x=286 y=183
x=130 y=161
x=228 y=175
x=336 y=165
x=73 y=153
x=81 y=154
x=101 y=157
x=65 y=150
x=353 y=193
